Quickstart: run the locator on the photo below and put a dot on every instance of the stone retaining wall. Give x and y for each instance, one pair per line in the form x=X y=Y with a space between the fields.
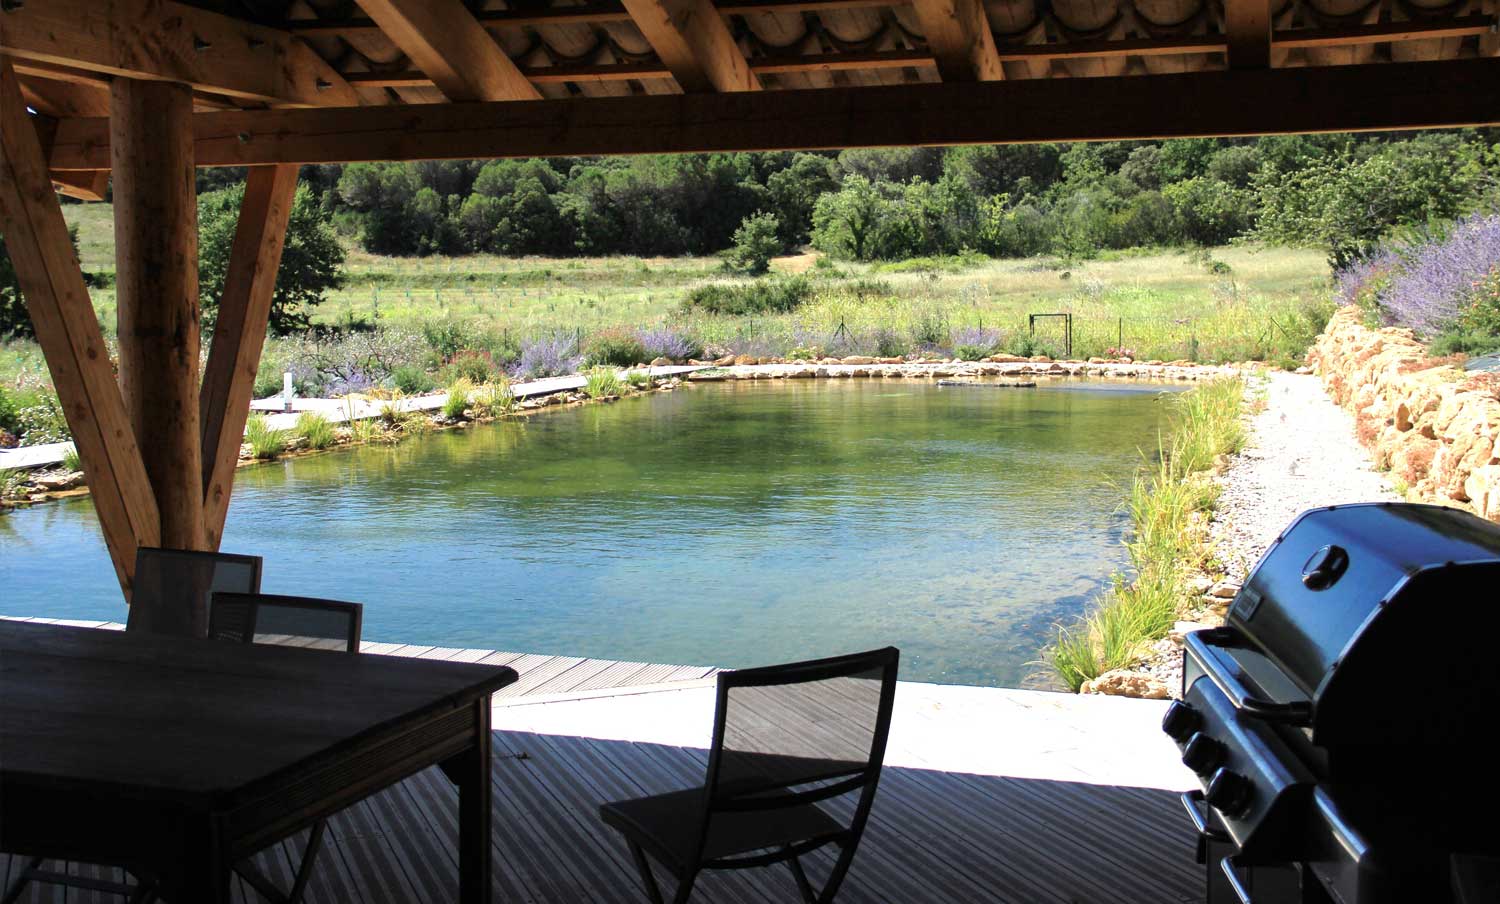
x=1018 y=367
x=1434 y=426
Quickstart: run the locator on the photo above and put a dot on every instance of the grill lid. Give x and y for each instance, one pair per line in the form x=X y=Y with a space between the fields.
x=1374 y=606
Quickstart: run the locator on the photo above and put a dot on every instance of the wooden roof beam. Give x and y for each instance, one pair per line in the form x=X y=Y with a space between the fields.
x=1225 y=103
x=164 y=41
x=447 y=43
x=959 y=35
x=691 y=39
x=1247 y=27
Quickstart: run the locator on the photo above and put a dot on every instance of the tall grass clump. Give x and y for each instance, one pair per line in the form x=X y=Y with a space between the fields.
x=315 y=430
x=71 y=460
x=459 y=394
x=493 y=399
x=602 y=382
x=266 y=442
x=1167 y=502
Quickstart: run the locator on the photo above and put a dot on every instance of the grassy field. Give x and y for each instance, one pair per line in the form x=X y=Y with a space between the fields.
x=1225 y=304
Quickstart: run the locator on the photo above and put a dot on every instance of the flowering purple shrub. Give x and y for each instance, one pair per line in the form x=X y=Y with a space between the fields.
x=549 y=356
x=667 y=342
x=974 y=342
x=1427 y=282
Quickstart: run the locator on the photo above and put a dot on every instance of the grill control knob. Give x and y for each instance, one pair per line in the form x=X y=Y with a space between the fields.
x=1229 y=792
x=1202 y=754
x=1180 y=721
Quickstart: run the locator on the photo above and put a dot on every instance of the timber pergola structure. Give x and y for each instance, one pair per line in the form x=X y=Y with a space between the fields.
x=143 y=91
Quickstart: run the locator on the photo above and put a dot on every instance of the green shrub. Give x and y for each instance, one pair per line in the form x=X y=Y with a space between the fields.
x=769 y=296
x=448 y=337
x=601 y=382
x=40 y=420
x=8 y=413
x=891 y=344
x=972 y=352
x=265 y=441
x=475 y=366
x=638 y=379
x=755 y=243
x=12 y=483
x=315 y=430
x=619 y=347
x=458 y=400
x=412 y=379
x=930 y=328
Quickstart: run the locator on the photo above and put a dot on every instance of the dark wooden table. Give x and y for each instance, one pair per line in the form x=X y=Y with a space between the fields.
x=180 y=757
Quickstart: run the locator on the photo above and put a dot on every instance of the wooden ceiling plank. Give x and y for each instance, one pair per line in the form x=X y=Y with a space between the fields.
x=165 y=41
x=691 y=39
x=447 y=43
x=68 y=331
x=1247 y=28
x=1225 y=103
x=959 y=35
x=239 y=334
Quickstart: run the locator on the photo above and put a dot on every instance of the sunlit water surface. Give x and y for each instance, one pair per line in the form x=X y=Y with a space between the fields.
x=728 y=524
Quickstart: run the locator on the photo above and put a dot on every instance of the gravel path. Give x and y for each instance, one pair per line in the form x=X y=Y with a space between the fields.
x=1302 y=454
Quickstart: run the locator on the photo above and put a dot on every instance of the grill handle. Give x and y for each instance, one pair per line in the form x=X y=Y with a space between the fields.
x=1236 y=882
x=1206 y=833
x=1205 y=644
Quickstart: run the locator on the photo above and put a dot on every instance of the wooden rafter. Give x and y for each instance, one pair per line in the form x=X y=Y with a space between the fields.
x=1224 y=103
x=68 y=330
x=239 y=334
x=691 y=39
x=1247 y=29
x=159 y=40
x=447 y=43
x=958 y=34
x=61 y=100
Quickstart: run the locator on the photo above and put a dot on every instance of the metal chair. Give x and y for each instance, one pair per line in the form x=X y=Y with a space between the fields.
x=786 y=738
x=170 y=583
x=286 y=621
x=292 y=621
x=164 y=598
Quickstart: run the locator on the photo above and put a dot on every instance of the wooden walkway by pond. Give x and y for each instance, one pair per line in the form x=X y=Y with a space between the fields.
x=989 y=795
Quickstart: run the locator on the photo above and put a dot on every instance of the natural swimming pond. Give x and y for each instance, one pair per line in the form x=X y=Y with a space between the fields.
x=727 y=524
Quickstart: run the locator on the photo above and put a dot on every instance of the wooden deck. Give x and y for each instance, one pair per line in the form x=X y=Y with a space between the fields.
x=948 y=824
x=934 y=836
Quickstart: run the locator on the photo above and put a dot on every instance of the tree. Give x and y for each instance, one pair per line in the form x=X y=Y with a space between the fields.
x=15 y=319
x=795 y=191
x=845 y=221
x=755 y=243
x=312 y=259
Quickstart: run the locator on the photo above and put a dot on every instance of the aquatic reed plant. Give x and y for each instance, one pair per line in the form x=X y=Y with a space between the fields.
x=602 y=382
x=459 y=394
x=493 y=399
x=71 y=460
x=315 y=430
x=266 y=442
x=1168 y=502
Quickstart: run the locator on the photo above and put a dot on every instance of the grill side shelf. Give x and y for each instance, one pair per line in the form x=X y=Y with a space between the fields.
x=1224 y=675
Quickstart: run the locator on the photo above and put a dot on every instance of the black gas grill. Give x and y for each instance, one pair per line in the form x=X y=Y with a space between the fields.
x=1341 y=720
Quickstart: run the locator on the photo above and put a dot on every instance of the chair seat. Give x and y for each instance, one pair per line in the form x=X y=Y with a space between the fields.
x=666 y=825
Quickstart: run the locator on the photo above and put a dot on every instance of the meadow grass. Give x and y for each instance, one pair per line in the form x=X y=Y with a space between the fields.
x=266 y=442
x=315 y=430
x=1168 y=502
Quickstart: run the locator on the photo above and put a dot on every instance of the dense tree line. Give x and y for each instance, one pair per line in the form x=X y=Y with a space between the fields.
x=1339 y=191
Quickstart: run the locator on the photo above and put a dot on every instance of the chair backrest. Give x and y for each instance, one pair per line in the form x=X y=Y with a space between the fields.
x=172 y=588
x=292 y=621
x=788 y=735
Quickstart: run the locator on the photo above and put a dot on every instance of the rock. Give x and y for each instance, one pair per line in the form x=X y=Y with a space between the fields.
x=1123 y=683
x=1039 y=359
x=889 y=360
x=723 y=361
x=1005 y=359
x=37 y=497
x=58 y=482
x=1183 y=628
x=1304 y=370
x=1097 y=360
x=661 y=362
x=857 y=359
x=742 y=360
x=1200 y=583
x=1224 y=590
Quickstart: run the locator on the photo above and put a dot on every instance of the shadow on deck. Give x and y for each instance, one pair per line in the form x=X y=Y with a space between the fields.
x=933 y=836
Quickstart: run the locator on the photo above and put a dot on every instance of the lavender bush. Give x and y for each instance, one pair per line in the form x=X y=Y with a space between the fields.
x=549 y=356
x=974 y=342
x=668 y=342
x=1425 y=283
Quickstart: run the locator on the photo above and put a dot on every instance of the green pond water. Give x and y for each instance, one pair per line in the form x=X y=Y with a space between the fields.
x=728 y=524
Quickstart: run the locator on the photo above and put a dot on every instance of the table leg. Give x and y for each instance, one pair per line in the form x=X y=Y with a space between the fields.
x=470 y=770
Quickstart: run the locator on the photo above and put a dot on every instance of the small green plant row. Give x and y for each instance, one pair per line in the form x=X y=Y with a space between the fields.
x=1168 y=502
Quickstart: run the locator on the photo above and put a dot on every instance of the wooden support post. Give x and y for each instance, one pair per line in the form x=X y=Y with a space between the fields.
x=68 y=331
x=239 y=334
x=1247 y=24
x=156 y=279
x=958 y=34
